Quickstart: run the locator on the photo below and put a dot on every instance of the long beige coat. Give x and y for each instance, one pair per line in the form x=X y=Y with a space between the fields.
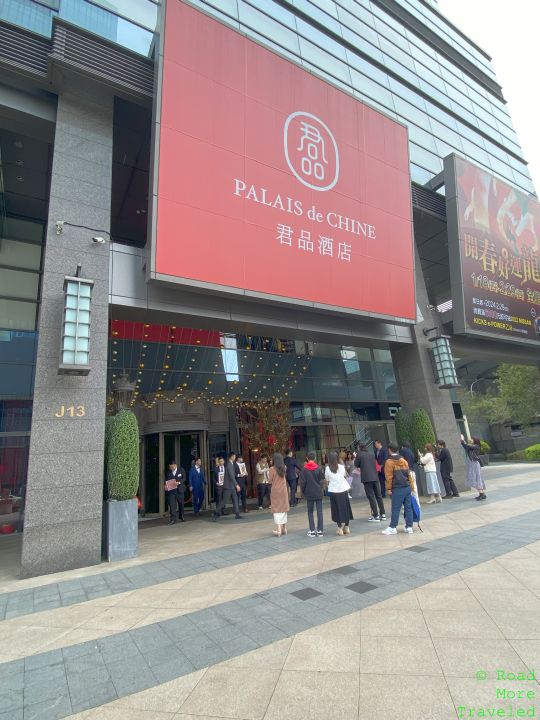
x=279 y=494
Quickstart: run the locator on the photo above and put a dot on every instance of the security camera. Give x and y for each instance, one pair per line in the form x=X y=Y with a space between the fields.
x=99 y=240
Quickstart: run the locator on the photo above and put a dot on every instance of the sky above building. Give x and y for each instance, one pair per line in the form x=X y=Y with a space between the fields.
x=509 y=33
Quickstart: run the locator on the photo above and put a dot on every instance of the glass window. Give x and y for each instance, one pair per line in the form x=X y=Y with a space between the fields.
x=29 y=15
x=384 y=356
x=19 y=284
x=371 y=90
x=18 y=229
x=19 y=255
x=268 y=27
x=323 y=60
x=321 y=40
x=353 y=28
x=143 y=12
x=17 y=315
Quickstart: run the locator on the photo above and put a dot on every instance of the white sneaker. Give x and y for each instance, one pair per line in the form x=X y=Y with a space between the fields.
x=409 y=530
x=389 y=531
x=383 y=517
x=374 y=519
x=311 y=533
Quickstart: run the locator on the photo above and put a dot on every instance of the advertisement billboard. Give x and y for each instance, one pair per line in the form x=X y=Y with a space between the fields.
x=494 y=245
x=272 y=183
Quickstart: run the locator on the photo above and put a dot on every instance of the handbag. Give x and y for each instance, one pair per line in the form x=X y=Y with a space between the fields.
x=480 y=461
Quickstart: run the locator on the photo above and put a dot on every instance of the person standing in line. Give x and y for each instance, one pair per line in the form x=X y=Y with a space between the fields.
x=432 y=481
x=399 y=485
x=197 y=484
x=280 y=493
x=293 y=470
x=474 y=469
x=311 y=484
x=263 y=486
x=365 y=462
x=219 y=480
x=174 y=489
x=241 y=480
x=447 y=467
x=380 y=459
x=335 y=475
x=407 y=453
x=230 y=489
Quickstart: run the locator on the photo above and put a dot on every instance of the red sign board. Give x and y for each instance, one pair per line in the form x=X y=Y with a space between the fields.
x=271 y=181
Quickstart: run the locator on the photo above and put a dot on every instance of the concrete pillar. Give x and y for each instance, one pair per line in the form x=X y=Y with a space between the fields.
x=417 y=386
x=62 y=527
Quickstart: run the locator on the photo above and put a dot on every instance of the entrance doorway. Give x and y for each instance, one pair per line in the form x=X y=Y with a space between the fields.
x=183 y=448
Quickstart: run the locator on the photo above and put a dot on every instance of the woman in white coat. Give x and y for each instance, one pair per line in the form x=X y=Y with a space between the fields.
x=432 y=481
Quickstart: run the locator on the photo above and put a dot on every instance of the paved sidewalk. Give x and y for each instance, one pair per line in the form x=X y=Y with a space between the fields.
x=362 y=626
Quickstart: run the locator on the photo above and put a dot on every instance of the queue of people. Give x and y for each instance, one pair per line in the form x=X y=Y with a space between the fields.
x=382 y=471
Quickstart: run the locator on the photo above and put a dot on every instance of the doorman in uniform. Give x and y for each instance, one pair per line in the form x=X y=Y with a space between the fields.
x=197 y=483
x=175 y=480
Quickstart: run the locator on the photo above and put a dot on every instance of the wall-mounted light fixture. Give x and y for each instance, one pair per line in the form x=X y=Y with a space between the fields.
x=443 y=362
x=75 y=342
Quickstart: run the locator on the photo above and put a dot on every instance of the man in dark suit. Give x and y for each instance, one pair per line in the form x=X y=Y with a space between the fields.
x=447 y=467
x=230 y=489
x=175 y=479
x=381 y=456
x=369 y=476
x=292 y=474
x=241 y=477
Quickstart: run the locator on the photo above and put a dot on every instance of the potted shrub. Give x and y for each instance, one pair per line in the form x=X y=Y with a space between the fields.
x=422 y=432
x=485 y=449
x=120 y=515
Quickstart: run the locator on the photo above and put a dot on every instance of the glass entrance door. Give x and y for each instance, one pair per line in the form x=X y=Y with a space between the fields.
x=183 y=448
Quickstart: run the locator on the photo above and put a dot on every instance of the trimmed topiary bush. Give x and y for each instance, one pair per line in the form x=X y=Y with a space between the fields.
x=122 y=456
x=485 y=447
x=403 y=426
x=533 y=452
x=421 y=430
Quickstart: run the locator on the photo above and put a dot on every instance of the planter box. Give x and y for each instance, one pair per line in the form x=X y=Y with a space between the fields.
x=120 y=529
x=485 y=459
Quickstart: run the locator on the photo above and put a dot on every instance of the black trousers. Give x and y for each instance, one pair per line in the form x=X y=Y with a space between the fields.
x=219 y=495
x=382 y=483
x=318 y=504
x=242 y=496
x=293 y=484
x=373 y=493
x=449 y=485
x=172 y=502
x=263 y=490
x=228 y=495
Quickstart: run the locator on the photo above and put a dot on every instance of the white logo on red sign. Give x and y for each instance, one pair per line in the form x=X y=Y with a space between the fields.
x=311 y=151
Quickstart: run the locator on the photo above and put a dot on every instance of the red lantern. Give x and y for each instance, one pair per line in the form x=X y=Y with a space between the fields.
x=271 y=439
x=7 y=529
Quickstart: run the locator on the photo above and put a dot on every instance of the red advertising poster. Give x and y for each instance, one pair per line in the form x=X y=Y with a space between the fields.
x=499 y=246
x=272 y=182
